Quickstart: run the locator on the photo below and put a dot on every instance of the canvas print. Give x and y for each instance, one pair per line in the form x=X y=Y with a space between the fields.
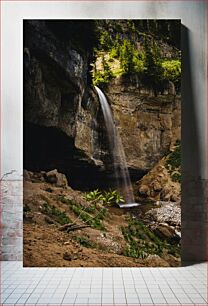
x=102 y=150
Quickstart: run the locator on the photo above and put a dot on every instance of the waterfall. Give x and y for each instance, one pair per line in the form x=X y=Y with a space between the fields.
x=117 y=152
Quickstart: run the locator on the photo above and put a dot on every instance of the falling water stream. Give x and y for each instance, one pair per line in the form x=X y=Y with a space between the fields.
x=117 y=152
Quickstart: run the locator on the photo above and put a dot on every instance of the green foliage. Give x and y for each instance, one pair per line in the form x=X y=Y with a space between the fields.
x=102 y=78
x=115 y=50
x=105 y=41
x=172 y=71
x=176 y=177
x=153 y=72
x=94 y=195
x=142 y=242
x=54 y=212
x=174 y=159
x=173 y=164
x=62 y=198
x=127 y=57
x=112 y=197
x=118 y=41
x=132 y=251
x=88 y=218
x=90 y=214
x=109 y=198
x=84 y=241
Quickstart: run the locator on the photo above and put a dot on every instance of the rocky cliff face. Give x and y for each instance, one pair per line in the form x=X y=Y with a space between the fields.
x=59 y=104
x=63 y=125
x=149 y=125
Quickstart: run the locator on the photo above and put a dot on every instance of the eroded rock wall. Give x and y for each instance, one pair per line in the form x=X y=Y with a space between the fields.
x=149 y=124
x=63 y=124
x=59 y=102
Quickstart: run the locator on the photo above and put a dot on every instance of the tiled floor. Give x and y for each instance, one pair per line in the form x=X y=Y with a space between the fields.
x=103 y=286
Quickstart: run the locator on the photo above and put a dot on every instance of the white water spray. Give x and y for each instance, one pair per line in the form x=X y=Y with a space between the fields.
x=117 y=151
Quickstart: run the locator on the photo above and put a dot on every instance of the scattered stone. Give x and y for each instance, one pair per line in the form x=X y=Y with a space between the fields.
x=56 y=178
x=154 y=260
x=66 y=243
x=67 y=256
x=174 y=198
x=164 y=231
x=48 y=220
x=168 y=212
x=144 y=190
x=157 y=187
x=27 y=175
x=49 y=190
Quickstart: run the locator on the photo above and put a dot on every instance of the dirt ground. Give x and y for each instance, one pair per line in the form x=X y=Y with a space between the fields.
x=45 y=245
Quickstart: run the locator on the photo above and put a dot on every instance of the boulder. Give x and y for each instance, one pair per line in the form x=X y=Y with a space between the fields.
x=164 y=231
x=26 y=175
x=157 y=187
x=56 y=178
x=144 y=190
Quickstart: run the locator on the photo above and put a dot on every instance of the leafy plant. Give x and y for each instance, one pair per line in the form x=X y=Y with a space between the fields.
x=62 y=198
x=153 y=72
x=58 y=215
x=112 y=197
x=135 y=252
x=105 y=41
x=94 y=221
x=145 y=58
x=172 y=71
x=94 y=195
x=142 y=241
x=104 y=76
x=173 y=163
x=176 y=177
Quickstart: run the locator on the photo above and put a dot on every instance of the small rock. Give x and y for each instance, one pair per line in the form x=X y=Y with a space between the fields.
x=26 y=175
x=157 y=187
x=154 y=260
x=165 y=194
x=54 y=177
x=174 y=198
x=67 y=256
x=167 y=232
x=144 y=190
x=66 y=243
x=48 y=220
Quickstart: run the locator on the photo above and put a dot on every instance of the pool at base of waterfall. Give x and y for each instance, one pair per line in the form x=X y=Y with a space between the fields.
x=128 y=205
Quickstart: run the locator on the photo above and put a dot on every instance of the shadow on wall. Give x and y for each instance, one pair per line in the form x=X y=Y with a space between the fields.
x=194 y=232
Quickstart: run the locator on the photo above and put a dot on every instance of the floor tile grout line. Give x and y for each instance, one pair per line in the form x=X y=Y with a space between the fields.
x=129 y=274
x=37 y=283
x=147 y=287
x=69 y=286
x=123 y=284
x=135 y=287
